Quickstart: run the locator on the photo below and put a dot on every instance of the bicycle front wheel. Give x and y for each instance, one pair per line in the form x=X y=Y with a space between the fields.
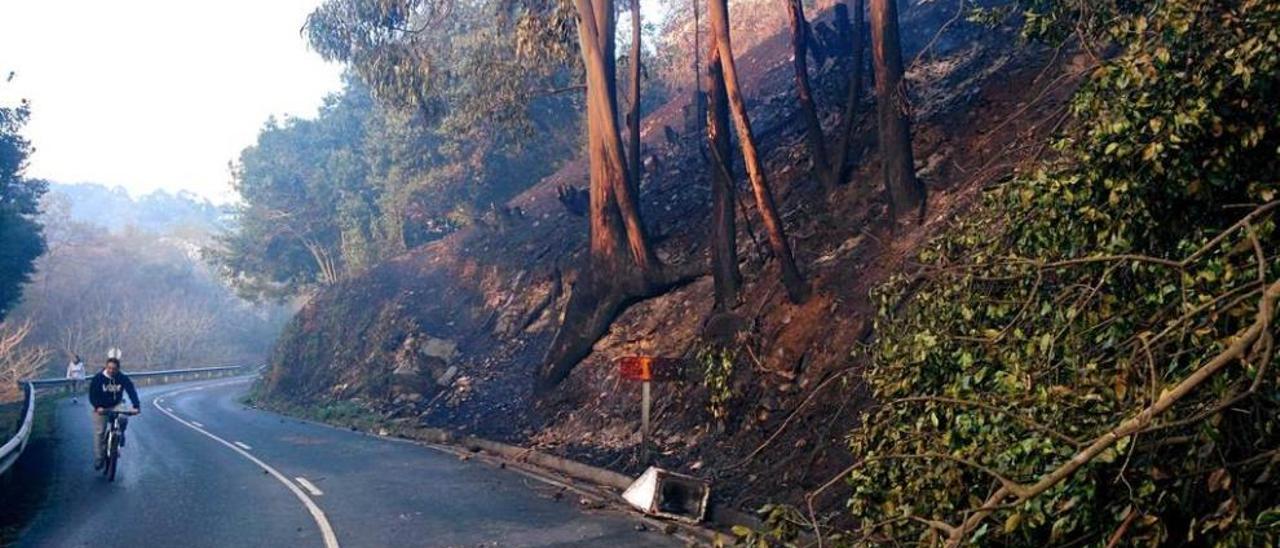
x=112 y=455
x=111 y=467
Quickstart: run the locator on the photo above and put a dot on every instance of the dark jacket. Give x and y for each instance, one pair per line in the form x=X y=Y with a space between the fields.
x=108 y=392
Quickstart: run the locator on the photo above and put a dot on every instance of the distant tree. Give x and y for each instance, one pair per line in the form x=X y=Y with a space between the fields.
x=906 y=192
x=858 y=36
x=158 y=211
x=21 y=241
x=18 y=361
x=633 y=115
x=800 y=39
x=308 y=213
x=158 y=302
x=327 y=197
x=474 y=74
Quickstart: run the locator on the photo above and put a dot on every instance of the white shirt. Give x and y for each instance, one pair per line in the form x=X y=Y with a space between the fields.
x=75 y=370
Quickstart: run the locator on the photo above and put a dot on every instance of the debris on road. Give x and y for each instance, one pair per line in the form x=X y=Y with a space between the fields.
x=667 y=494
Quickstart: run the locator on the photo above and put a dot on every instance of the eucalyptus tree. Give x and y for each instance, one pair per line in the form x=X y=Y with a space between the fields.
x=621 y=266
x=795 y=284
x=726 y=275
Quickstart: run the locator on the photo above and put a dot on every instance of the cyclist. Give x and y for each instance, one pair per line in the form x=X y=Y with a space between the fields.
x=106 y=393
x=75 y=376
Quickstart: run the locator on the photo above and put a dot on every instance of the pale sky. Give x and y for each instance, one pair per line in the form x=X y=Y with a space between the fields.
x=150 y=94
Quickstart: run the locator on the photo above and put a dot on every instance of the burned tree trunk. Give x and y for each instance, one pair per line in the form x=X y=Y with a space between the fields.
x=633 y=117
x=724 y=232
x=905 y=191
x=621 y=267
x=843 y=44
x=699 y=100
x=804 y=94
x=611 y=190
x=797 y=288
x=829 y=169
x=859 y=40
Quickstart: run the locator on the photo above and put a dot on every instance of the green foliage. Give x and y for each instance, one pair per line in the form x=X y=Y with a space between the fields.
x=478 y=69
x=717 y=375
x=21 y=241
x=388 y=42
x=309 y=214
x=1076 y=295
x=343 y=413
x=445 y=113
x=782 y=526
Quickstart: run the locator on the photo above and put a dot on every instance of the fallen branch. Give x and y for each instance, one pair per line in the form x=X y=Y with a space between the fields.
x=1244 y=341
x=789 y=418
x=1129 y=516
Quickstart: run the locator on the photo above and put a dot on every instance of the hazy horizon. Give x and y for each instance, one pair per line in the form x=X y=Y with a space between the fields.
x=145 y=95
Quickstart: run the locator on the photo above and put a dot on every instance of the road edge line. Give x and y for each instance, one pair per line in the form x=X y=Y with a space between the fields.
x=317 y=514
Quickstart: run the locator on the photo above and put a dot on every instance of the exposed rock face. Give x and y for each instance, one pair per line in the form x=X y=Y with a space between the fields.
x=443 y=349
x=422 y=367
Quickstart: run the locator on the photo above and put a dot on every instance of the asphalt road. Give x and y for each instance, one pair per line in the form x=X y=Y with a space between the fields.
x=200 y=470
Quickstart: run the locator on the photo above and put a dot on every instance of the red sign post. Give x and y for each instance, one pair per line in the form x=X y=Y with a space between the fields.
x=648 y=369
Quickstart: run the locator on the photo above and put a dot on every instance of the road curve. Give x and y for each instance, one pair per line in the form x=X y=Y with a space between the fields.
x=199 y=469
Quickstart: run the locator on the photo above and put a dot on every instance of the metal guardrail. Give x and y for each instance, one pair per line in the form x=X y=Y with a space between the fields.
x=199 y=372
x=12 y=449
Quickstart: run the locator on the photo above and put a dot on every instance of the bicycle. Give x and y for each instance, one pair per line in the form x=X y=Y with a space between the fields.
x=113 y=436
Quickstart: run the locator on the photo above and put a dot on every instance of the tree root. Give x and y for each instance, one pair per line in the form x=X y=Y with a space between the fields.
x=595 y=301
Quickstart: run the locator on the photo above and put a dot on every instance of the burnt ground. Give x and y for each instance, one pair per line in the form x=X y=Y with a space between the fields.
x=476 y=311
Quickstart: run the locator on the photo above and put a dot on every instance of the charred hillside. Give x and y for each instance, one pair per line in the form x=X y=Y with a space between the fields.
x=452 y=334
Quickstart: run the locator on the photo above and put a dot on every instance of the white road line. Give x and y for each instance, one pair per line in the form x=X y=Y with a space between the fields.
x=326 y=530
x=310 y=487
x=197 y=424
x=242 y=445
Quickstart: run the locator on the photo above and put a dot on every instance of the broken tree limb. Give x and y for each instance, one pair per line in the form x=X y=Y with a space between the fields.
x=1240 y=348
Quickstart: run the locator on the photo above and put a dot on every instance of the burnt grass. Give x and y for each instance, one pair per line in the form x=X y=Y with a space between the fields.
x=984 y=105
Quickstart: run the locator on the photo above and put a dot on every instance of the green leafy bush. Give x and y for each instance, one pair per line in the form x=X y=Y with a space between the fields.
x=1074 y=300
x=717 y=372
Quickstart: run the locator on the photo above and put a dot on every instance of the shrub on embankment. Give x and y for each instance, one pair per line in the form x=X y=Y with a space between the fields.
x=1088 y=358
